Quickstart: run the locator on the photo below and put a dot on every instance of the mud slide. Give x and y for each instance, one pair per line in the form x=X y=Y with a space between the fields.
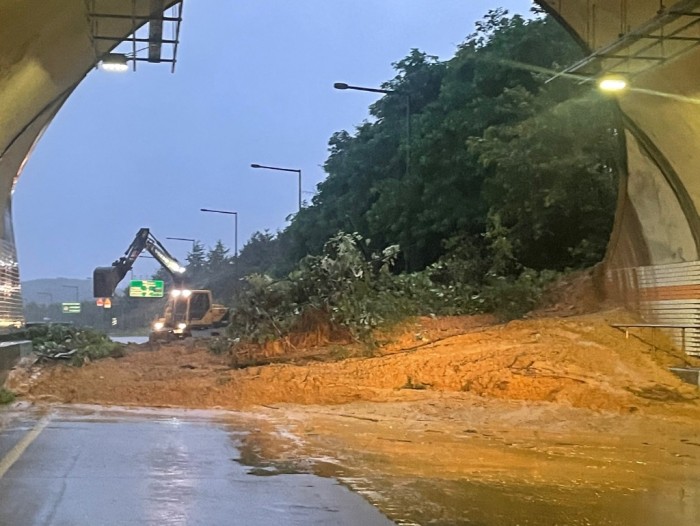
x=450 y=421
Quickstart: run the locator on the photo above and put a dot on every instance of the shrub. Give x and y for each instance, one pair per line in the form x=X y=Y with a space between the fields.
x=347 y=288
x=79 y=345
x=6 y=397
x=511 y=298
x=341 y=286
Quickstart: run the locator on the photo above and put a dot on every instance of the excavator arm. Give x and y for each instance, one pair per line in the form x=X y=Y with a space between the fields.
x=106 y=279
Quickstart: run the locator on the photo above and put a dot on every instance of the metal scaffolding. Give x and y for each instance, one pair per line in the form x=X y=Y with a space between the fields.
x=147 y=23
x=673 y=32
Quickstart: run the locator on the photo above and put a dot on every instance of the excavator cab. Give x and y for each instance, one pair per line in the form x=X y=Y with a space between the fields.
x=199 y=305
x=188 y=311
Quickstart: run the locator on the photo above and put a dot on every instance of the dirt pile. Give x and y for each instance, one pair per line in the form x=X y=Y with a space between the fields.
x=578 y=361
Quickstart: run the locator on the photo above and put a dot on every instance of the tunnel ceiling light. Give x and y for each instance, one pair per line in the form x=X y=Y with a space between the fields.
x=669 y=34
x=114 y=62
x=613 y=84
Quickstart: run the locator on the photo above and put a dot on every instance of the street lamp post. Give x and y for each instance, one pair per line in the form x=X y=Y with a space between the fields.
x=298 y=172
x=193 y=241
x=344 y=86
x=235 y=228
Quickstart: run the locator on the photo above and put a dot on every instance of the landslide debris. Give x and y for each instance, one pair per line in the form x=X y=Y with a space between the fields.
x=577 y=361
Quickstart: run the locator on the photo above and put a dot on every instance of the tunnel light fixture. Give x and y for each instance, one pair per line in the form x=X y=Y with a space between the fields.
x=613 y=84
x=114 y=62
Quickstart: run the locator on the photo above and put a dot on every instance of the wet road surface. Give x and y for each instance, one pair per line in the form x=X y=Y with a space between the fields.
x=70 y=468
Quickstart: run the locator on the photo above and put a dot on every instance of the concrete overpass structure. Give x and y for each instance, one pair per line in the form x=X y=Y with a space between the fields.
x=47 y=48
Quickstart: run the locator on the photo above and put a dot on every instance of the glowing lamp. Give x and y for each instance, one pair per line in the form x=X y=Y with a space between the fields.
x=613 y=84
x=115 y=62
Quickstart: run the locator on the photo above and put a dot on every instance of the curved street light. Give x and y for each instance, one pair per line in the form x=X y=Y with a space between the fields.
x=277 y=168
x=344 y=86
x=193 y=241
x=235 y=227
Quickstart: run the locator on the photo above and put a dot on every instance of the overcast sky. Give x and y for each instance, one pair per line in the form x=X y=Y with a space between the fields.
x=254 y=84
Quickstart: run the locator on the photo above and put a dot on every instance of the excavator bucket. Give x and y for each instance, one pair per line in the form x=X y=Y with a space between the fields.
x=105 y=281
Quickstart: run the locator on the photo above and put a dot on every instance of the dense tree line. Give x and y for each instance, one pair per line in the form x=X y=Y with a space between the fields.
x=507 y=170
x=504 y=174
x=492 y=146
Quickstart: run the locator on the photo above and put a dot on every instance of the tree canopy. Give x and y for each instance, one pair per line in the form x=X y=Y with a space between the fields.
x=501 y=171
x=488 y=138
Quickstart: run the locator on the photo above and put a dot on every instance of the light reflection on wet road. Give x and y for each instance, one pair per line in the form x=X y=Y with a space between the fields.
x=153 y=468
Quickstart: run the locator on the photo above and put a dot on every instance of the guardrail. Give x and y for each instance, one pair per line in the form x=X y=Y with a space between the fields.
x=682 y=327
x=10 y=353
x=666 y=296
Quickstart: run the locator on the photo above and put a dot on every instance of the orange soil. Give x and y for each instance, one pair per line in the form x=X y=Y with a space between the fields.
x=448 y=415
x=577 y=361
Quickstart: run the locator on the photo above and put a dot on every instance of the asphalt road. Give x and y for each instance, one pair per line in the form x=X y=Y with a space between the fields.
x=100 y=467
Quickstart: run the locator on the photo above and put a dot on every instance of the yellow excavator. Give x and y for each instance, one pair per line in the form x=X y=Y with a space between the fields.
x=187 y=312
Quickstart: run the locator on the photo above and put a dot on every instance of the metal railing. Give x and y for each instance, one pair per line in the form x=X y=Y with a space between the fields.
x=682 y=327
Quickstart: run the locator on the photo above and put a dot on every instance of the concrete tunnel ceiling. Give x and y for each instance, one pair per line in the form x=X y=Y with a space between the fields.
x=652 y=260
x=49 y=47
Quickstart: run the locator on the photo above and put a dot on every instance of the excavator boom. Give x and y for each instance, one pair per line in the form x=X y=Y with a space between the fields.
x=106 y=279
x=186 y=311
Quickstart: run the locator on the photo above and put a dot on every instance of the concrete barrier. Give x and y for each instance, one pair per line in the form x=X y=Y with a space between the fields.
x=10 y=353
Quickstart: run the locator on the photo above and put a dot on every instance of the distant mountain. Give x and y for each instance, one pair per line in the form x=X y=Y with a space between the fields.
x=56 y=290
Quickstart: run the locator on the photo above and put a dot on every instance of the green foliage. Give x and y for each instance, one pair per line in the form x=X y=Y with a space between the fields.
x=510 y=298
x=345 y=286
x=349 y=287
x=354 y=285
x=488 y=139
x=87 y=344
x=264 y=253
x=265 y=309
x=435 y=291
x=219 y=345
x=160 y=274
x=6 y=397
x=196 y=261
x=508 y=179
x=553 y=181
x=218 y=259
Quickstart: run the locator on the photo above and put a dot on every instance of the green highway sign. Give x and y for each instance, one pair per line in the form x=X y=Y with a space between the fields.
x=146 y=288
x=70 y=308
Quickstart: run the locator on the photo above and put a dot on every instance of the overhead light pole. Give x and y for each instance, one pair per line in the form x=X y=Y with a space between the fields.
x=344 y=86
x=193 y=241
x=277 y=168
x=235 y=227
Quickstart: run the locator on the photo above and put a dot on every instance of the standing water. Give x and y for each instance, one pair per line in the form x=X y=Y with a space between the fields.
x=129 y=339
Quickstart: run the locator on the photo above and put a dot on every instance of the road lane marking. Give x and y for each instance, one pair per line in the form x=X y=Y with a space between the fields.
x=16 y=452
